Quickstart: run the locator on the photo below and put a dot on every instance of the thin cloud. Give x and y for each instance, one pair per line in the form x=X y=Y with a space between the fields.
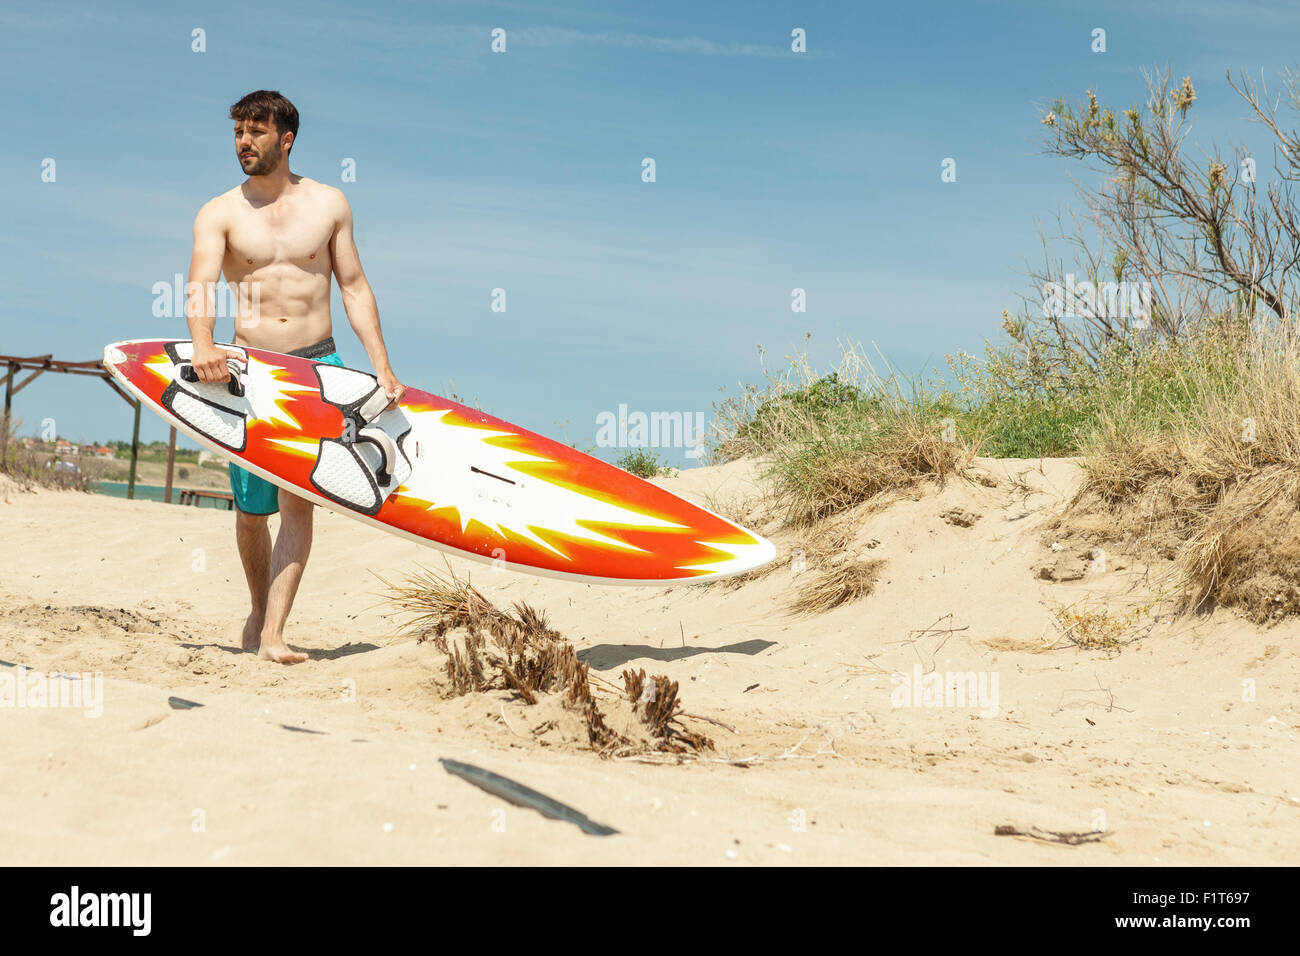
x=690 y=45
x=24 y=21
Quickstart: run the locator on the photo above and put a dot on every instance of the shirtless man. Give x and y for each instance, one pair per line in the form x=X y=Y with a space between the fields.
x=281 y=235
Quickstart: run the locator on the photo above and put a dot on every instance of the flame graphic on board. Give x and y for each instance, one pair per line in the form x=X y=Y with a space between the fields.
x=502 y=456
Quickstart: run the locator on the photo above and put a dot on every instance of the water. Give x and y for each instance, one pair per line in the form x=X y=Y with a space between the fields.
x=117 y=489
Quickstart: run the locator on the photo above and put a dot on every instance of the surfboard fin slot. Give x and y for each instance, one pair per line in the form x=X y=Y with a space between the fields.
x=480 y=471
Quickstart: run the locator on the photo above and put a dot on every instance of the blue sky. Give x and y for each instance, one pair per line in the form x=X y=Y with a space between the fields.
x=522 y=171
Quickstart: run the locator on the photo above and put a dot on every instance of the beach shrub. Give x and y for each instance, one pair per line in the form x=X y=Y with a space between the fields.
x=643 y=463
x=1021 y=405
x=831 y=441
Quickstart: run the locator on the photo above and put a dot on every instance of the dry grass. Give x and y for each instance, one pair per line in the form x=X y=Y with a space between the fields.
x=1191 y=448
x=841 y=584
x=518 y=651
x=831 y=442
x=836 y=447
x=835 y=573
x=831 y=572
x=1204 y=469
x=845 y=470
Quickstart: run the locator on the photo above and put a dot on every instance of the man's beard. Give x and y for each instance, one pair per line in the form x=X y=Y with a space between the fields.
x=266 y=163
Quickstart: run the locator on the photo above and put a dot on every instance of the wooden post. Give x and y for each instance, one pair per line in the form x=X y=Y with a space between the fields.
x=9 y=401
x=171 y=461
x=135 y=451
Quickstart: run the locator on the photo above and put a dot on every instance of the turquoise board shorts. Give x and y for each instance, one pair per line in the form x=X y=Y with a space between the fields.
x=257 y=496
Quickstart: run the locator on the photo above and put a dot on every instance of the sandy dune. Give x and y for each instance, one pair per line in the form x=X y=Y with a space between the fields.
x=336 y=760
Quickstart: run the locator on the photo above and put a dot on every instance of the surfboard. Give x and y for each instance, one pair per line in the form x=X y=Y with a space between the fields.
x=434 y=471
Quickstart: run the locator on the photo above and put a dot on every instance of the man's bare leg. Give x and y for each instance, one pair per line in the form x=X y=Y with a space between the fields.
x=288 y=559
x=254 y=539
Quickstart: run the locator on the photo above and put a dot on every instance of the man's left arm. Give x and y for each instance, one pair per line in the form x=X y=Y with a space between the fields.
x=359 y=300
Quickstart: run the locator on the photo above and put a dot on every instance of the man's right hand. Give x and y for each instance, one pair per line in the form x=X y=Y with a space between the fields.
x=210 y=362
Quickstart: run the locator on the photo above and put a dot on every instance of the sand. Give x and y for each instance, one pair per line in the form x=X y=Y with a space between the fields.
x=1180 y=746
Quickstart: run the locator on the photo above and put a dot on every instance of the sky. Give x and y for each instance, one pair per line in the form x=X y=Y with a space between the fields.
x=521 y=170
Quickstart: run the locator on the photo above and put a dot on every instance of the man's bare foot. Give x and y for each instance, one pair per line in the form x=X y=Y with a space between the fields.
x=252 y=637
x=279 y=652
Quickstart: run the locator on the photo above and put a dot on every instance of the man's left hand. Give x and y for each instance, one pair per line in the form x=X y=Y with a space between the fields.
x=392 y=388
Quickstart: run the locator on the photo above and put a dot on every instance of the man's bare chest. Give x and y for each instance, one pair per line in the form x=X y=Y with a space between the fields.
x=262 y=237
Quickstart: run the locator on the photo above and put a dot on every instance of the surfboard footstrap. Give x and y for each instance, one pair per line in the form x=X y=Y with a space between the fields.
x=365 y=463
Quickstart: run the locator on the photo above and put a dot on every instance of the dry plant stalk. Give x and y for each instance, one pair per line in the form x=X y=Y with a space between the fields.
x=518 y=650
x=656 y=704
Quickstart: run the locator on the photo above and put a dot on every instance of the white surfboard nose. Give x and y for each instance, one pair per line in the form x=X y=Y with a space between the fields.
x=113 y=355
x=742 y=557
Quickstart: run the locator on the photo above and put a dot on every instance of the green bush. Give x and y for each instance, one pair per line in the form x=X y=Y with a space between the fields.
x=643 y=463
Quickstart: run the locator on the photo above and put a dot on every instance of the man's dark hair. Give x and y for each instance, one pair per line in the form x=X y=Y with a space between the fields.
x=268 y=104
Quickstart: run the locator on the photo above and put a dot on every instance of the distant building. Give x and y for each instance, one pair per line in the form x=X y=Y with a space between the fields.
x=103 y=451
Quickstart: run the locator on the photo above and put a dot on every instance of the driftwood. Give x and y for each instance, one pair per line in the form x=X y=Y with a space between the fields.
x=1068 y=837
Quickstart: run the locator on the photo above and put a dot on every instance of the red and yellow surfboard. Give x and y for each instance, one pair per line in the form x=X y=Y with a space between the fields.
x=436 y=471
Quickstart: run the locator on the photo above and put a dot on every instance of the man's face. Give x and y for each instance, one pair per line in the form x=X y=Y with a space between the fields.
x=257 y=146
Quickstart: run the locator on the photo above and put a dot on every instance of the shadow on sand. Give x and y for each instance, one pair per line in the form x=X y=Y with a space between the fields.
x=606 y=657
x=313 y=653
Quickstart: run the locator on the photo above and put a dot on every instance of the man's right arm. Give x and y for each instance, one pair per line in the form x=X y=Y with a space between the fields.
x=200 y=298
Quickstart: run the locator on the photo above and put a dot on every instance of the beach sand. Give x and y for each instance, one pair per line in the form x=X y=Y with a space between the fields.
x=1182 y=746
